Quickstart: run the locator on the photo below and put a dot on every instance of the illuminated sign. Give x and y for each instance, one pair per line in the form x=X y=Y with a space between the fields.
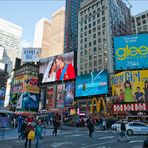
x=98 y=104
x=131 y=52
x=92 y=84
x=130 y=86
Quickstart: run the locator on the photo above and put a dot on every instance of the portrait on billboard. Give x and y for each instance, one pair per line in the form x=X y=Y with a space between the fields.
x=131 y=52
x=92 y=84
x=58 y=68
x=130 y=86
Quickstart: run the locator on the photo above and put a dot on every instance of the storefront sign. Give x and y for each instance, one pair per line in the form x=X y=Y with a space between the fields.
x=129 y=107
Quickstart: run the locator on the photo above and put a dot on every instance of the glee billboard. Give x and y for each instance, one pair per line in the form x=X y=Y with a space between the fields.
x=131 y=52
x=130 y=86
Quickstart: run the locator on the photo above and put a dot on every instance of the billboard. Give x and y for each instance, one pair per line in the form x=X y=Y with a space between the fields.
x=50 y=97
x=27 y=101
x=130 y=86
x=31 y=84
x=92 y=84
x=65 y=95
x=60 y=95
x=57 y=68
x=2 y=92
x=131 y=52
x=30 y=54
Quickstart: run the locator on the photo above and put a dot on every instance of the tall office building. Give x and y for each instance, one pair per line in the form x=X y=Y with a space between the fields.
x=99 y=21
x=49 y=34
x=140 y=23
x=71 y=25
x=10 y=38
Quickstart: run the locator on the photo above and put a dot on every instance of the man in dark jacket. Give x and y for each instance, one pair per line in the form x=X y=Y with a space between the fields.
x=123 y=132
x=90 y=127
x=55 y=126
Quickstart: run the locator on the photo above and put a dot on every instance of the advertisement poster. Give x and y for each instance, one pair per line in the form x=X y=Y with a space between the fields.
x=30 y=54
x=18 y=84
x=57 y=68
x=130 y=86
x=31 y=84
x=28 y=101
x=2 y=92
x=69 y=94
x=92 y=84
x=131 y=52
x=60 y=95
x=50 y=99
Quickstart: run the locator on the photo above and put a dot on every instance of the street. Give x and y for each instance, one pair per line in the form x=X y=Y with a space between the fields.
x=79 y=139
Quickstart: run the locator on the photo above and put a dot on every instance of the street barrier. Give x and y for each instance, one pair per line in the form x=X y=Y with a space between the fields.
x=2 y=132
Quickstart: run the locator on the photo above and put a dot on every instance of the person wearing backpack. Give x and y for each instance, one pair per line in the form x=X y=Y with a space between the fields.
x=38 y=133
x=29 y=136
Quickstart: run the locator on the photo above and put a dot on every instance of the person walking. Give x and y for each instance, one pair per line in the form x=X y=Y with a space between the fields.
x=23 y=130
x=90 y=127
x=29 y=128
x=38 y=133
x=55 y=126
x=123 y=132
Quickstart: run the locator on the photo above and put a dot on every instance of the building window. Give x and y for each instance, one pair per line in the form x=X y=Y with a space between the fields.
x=100 y=61
x=90 y=57
x=103 y=19
x=144 y=21
x=86 y=39
x=94 y=42
x=94 y=35
x=89 y=25
x=85 y=51
x=98 y=21
x=100 y=54
x=90 y=44
x=94 y=23
x=94 y=29
x=95 y=49
x=85 y=66
x=143 y=16
x=89 y=31
x=95 y=63
x=90 y=64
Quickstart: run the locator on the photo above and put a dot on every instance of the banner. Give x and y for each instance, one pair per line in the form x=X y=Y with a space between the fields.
x=130 y=107
x=50 y=98
x=130 y=86
x=131 y=52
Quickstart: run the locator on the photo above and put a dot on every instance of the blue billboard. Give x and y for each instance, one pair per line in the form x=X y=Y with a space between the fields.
x=131 y=52
x=92 y=84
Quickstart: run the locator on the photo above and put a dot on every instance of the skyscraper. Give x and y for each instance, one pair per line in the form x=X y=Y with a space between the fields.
x=140 y=23
x=49 y=34
x=99 y=21
x=71 y=25
x=10 y=38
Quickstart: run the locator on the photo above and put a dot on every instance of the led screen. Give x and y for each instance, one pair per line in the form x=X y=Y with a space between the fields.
x=57 y=68
x=131 y=52
x=92 y=84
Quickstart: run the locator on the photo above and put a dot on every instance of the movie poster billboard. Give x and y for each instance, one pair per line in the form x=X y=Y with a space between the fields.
x=92 y=84
x=50 y=98
x=57 y=68
x=130 y=86
x=60 y=95
x=131 y=52
x=27 y=101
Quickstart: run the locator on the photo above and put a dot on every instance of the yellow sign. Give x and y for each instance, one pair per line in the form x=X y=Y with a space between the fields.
x=130 y=86
x=98 y=104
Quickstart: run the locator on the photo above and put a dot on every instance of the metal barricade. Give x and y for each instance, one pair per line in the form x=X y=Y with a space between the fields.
x=2 y=133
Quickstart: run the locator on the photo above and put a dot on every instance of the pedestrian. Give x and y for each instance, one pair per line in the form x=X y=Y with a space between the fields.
x=123 y=132
x=38 y=133
x=90 y=127
x=28 y=134
x=23 y=130
x=104 y=124
x=55 y=126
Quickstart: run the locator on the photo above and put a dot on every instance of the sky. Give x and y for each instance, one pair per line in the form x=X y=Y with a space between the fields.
x=26 y=13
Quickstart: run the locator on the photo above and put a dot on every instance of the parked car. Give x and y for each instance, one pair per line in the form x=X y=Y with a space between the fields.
x=136 y=128
x=117 y=125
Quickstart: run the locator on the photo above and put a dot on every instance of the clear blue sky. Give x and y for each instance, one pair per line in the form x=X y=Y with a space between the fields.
x=27 y=13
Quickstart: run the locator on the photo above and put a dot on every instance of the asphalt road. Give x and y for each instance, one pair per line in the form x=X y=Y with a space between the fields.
x=80 y=139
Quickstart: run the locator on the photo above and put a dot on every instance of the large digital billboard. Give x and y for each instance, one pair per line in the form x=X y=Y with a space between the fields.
x=131 y=52
x=130 y=86
x=57 y=68
x=92 y=84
